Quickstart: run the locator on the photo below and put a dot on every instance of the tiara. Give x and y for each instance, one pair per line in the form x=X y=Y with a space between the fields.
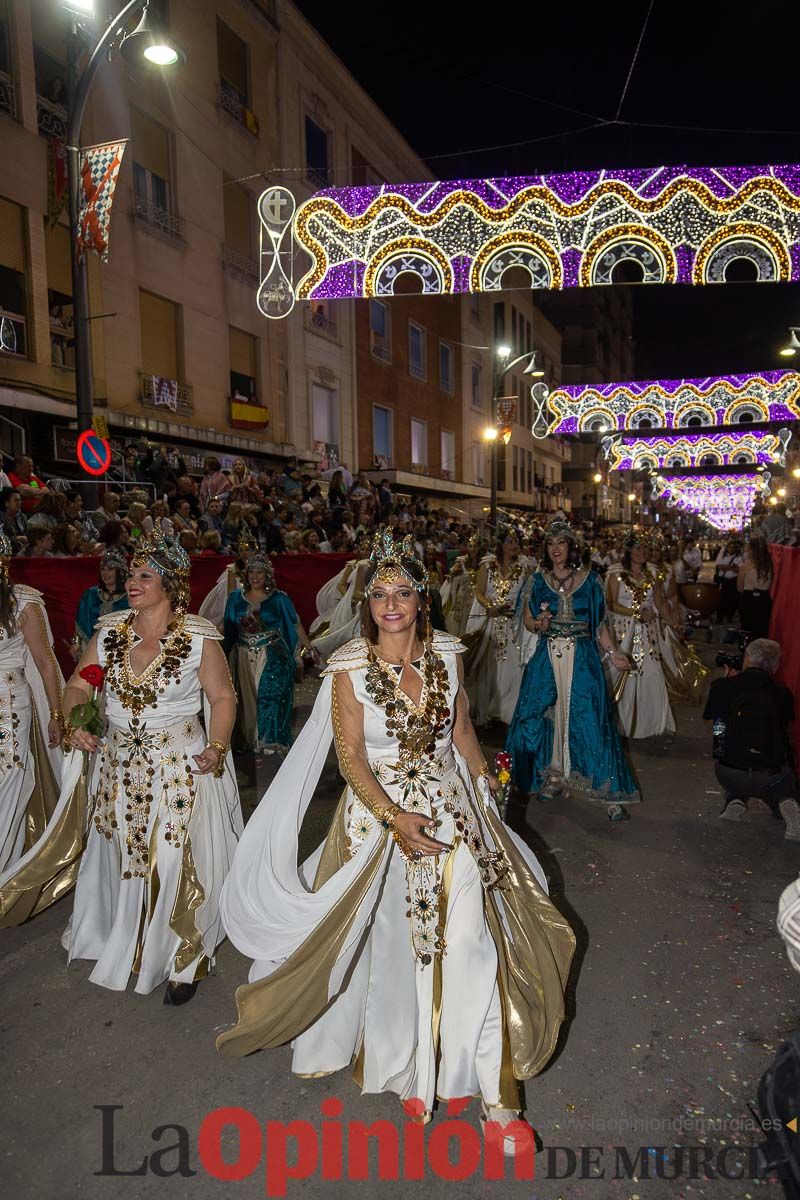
x=113 y=558
x=560 y=529
x=387 y=560
x=164 y=557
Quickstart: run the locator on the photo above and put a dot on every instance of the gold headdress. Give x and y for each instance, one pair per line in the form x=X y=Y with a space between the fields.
x=390 y=560
x=6 y=551
x=167 y=559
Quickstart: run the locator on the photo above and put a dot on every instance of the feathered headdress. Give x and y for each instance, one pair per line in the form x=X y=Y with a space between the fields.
x=390 y=560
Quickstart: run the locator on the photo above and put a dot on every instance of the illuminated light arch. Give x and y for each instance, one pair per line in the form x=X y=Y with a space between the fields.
x=628 y=243
x=597 y=420
x=516 y=248
x=643 y=417
x=725 y=501
x=696 y=412
x=746 y=412
x=775 y=395
x=409 y=256
x=742 y=240
x=671 y=451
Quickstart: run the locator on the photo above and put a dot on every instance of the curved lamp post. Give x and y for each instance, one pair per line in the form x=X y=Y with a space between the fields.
x=143 y=44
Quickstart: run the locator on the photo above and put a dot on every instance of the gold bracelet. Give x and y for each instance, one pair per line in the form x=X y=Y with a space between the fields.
x=222 y=750
x=484 y=771
x=57 y=715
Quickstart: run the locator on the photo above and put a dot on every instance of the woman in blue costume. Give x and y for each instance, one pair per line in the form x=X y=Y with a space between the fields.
x=564 y=734
x=262 y=633
x=107 y=596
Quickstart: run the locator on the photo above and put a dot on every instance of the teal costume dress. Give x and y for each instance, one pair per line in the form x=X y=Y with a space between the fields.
x=91 y=608
x=262 y=659
x=564 y=725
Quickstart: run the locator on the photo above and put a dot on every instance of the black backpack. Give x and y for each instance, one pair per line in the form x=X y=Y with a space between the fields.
x=779 y=1111
x=755 y=738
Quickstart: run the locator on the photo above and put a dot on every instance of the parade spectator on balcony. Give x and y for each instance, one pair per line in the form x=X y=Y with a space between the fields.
x=309 y=542
x=109 y=507
x=186 y=489
x=30 y=487
x=289 y=481
x=39 y=544
x=12 y=519
x=215 y=484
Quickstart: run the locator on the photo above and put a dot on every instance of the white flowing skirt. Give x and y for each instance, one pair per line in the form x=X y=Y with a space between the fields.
x=17 y=766
x=644 y=707
x=125 y=924
x=495 y=667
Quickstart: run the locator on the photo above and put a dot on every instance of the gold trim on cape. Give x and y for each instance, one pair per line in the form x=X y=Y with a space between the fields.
x=44 y=797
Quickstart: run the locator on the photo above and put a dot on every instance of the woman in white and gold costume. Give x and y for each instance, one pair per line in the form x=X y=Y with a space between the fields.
x=30 y=715
x=636 y=605
x=344 y=619
x=213 y=607
x=458 y=590
x=499 y=646
x=417 y=944
x=149 y=812
x=685 y=673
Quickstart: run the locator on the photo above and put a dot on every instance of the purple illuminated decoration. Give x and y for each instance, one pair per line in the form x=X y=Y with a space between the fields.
x=672 y=452
x=725 y=501
x=677 y=224
x=677 y=404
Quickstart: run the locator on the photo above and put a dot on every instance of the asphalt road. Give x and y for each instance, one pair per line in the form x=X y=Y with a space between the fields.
x=678 y=1000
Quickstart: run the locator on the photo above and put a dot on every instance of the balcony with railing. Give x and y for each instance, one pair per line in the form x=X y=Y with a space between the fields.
x=161 y=393
x=240 y=264
x=153 y=215
x=319 y=321
x=8 y=95
x=230 y=102
x=51 y=119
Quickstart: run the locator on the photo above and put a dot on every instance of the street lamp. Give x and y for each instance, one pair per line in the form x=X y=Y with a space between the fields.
x=492 y=434
x=793 y=345
x=142 y=46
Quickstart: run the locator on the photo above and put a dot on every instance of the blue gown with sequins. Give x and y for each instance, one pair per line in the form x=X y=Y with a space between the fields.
x=598 y=767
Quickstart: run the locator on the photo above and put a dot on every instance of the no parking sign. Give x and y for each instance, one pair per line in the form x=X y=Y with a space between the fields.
x=94 y=453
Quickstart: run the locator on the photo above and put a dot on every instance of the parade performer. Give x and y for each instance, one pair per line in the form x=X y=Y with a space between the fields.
x=418 y=943
x=30 y=715
x=563 y=735
x=149 y=814
x=458 y=590
x=328 y=598
x=684 y=672
x=262 y=634
x=108 y=595
x=636 y=602
x=213 y=607
x=495 y=659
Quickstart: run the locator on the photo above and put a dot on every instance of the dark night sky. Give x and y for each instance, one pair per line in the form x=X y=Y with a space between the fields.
x=457 y=79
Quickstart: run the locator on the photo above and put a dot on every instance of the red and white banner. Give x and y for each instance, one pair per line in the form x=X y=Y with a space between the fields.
x=99 y=170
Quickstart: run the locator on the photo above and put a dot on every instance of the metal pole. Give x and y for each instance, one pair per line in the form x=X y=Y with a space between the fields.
x=493 y=496
x=79 y=87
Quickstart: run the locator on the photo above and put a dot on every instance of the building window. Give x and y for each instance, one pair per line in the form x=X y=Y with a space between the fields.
x=380 y=330
x=419 y=444
x=417 y=340
x=317 y=153
x=382 y=435
x=500 y=321
x=478 y=459
x=159 y=335
x=58 y=256
x=514 y=330
x=232 y=64
x=8 y=97
x=13 y=301
x=325 y=419
x=446 y=376
x=151 y=164
x=363 y=173
x=448 y=455
x=528 y=337
x=238 y=217
x=477 y=401
x=319 y=317
x=243 y=351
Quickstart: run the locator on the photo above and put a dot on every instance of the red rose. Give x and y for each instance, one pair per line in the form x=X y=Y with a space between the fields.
x=503 y=760
x=94 y=675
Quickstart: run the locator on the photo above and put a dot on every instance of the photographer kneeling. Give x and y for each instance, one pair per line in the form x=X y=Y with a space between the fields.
x=751 y=715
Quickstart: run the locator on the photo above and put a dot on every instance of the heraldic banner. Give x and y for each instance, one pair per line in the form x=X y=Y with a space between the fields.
x=98 y=180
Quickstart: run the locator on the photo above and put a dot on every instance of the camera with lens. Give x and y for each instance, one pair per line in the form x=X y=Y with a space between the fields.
x=731 y=662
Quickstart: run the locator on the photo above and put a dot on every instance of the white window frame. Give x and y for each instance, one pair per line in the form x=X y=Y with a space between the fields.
x=447 y=465
x=424 y=427
x=418 y=372
x=472 y=399
x=380 y=346
x=334 y=414
x=383 y=408
x=450 y=385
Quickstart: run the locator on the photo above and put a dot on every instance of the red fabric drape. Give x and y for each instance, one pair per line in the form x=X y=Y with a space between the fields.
x=63 y=581
x=784 y=626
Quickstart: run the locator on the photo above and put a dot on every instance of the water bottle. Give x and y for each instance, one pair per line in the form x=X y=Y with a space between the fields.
x=718 y=734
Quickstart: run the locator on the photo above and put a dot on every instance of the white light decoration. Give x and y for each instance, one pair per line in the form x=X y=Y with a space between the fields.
x=276 y=208
x=696 y=450
x=725 y=501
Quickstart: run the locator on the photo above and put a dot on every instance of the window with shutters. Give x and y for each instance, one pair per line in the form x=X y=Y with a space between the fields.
x=380 y=330
x=238 y=209
x=448 y=450
x=159 y=334
x=234 y=77
x=243 y=359
x=363 y=173
x=382 y=435
x=59 y=296
x=51 y=92
x=13 y=292
x=154 y=199
x=417 y=347
x=325 y=419
x=317 y=153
